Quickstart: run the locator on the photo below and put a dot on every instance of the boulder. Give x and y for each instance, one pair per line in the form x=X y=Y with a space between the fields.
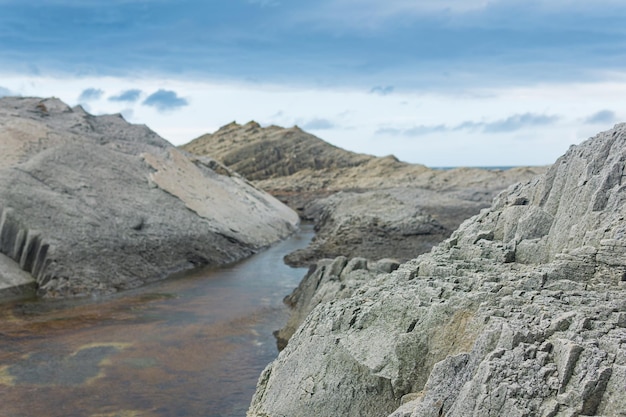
x=95 y=205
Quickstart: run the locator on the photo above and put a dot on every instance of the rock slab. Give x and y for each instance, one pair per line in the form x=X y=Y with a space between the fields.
x=95 y=205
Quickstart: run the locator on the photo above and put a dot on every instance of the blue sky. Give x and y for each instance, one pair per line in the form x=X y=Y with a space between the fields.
x=447 y=82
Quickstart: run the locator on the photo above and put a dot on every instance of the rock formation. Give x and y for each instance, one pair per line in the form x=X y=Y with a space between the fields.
x=376 y=207
x=521 y=312
x=94 y=204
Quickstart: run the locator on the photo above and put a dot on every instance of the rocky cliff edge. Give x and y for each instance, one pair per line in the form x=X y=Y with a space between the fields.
x=521 y=312
x=94 y=204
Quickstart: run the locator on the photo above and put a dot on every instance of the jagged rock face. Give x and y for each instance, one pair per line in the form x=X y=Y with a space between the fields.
x=94 y=204
x=522 y=312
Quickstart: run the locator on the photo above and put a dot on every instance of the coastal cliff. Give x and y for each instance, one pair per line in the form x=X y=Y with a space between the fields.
x=521 y=312
x=95 y=205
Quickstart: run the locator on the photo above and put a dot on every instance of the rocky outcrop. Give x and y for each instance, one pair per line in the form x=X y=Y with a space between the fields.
x=362 y=205
x=94 y=204
x=398 y=222
x=521 y=312
x=273 y=152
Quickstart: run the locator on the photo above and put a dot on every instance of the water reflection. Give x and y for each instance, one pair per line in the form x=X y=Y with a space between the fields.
x=191 y=346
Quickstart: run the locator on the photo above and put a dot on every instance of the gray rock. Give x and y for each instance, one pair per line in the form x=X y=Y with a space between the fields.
x=378 y=207
x=94 y=204
x=519 y=313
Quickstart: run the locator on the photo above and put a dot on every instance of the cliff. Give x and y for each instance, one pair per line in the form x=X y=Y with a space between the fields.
x=521 y=312
x=95 y=204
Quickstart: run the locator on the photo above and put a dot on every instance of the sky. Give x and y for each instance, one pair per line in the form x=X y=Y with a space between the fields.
x=438 y=82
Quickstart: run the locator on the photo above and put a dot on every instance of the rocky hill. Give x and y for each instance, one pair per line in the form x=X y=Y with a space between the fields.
x=362 y=205
x=273 y=152
x=94 y=204
x=521 y=312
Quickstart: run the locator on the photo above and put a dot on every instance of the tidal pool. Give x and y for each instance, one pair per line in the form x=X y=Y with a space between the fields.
x=193 y=345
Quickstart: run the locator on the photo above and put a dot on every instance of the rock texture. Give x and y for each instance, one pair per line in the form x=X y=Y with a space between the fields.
x=400 y=222
x=521 y=312
x=94 y=204
x=376 y=207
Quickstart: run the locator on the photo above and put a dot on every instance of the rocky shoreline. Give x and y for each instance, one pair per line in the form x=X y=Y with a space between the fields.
x=96 y=205
x=520 y=312
x=362 y=205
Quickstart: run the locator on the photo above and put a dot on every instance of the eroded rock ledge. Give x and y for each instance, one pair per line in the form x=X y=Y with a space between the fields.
x=94 y=204
x=522 y=312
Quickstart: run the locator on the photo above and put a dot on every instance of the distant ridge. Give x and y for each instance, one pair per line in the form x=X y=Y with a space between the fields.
x=289 y=160
x=261 y=153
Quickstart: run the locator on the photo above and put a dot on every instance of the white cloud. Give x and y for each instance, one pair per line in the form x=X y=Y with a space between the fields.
x=353 y=118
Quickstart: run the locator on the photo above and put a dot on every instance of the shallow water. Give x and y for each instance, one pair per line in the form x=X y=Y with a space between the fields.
x=190 y=346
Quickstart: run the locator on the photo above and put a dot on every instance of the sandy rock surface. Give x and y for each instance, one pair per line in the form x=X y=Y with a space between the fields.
x=95 y=204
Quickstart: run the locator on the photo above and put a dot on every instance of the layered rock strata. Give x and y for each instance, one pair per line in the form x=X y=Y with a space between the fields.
x=521 y=312
x=362 y=205
x=94 y=204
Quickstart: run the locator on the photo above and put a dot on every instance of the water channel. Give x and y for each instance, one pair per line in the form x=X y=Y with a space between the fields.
x=189 y=346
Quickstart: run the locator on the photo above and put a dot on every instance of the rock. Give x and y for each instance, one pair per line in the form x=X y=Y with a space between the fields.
x=261 y=153
x=95 y=205
x=363 y=206
x=474 y=328
x=376 y=225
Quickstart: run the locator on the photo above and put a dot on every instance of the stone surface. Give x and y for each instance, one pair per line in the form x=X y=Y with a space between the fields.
x=519 y=313
x=94 y=204
x=363 y=206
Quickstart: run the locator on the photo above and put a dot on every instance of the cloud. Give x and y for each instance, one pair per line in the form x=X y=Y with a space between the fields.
x=510 y=124
x=91 y=94
x=601 y=117
x=318 y=124
x=519 y=121
x=164 y=100
x=265 y=3
x=420 y=130
x=383 y=91
x=5 y=92
x=129 y=96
